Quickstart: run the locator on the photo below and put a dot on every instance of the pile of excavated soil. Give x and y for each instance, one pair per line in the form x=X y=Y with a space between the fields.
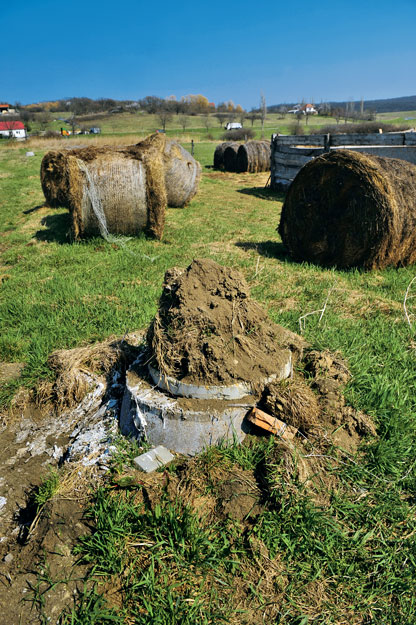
x=207 y=329
x=315 y=402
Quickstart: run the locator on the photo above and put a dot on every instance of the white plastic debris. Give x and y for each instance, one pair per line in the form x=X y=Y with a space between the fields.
x=30 y=154
x=154 y=459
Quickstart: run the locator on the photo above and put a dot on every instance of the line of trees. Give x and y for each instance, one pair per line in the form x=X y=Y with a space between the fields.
x=187 y=105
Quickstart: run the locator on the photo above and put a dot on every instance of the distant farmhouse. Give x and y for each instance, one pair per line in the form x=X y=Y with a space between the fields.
x=303 y=109
x=12 y=129
x=6 y=109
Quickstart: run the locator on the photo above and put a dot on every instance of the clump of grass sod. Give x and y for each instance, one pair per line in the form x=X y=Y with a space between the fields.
x=346 y=554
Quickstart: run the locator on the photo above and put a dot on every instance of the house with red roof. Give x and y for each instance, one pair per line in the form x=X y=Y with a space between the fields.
x=303 y=109
x=13 y=129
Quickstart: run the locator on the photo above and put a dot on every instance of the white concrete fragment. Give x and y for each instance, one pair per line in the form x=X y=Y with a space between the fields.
x=154 y=459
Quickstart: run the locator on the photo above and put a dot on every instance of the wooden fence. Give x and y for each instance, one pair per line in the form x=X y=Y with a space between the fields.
x=290 y=153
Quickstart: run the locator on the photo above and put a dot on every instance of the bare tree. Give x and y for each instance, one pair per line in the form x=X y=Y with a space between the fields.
x=26 y=117
x=183 y=120
x=73 y=123
x=253 y=116
x=282 y=111
x=221 y=118
x=164 y=116
x=207 y=122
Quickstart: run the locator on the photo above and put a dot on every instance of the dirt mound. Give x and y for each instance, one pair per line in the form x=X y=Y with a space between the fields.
x=316 y=404
x=207 y=330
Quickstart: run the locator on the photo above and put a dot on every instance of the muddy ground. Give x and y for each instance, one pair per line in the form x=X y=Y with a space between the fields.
x=77 y=427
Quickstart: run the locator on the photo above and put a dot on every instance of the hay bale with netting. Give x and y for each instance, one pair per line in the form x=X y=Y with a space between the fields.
x=254 y=156
x=106 y=191
x=230 y=156
x=347 y=209
x=120 y=190
x=219 y=154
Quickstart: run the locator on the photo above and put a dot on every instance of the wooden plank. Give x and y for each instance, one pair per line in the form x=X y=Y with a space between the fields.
x=367 y=139
x=410 y=138
x=271 y=424
x=285 y=149
x=288 y=173
x=293 y=140
x=291 y=160
x=390 y=138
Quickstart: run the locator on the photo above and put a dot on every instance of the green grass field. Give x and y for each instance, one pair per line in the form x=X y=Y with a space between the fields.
x=358 y=550
x=143 y=124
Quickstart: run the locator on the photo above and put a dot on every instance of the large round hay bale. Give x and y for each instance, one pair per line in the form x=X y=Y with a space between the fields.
x=127 y=188
x=182 y=174
x=106 y=190
x=219 y=154
x=347 y=209
x=253 y=156
x=230 y=156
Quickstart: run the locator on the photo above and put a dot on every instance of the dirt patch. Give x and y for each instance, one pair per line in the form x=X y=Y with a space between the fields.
x=39 y=579
x=208 y=330
x=10 y=370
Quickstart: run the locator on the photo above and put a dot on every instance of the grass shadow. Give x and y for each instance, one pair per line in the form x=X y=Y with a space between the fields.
x=57 y=229
x=264 y=193
x=269 y=249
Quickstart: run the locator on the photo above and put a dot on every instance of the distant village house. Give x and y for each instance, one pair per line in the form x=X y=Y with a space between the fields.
x=12 y=129
x=303 y=109
x=6 y=109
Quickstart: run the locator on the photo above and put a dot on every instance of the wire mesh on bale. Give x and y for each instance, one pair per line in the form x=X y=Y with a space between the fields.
x=347 y=209
x=219 y=154
x=253 y=156
x=120 y=190
x=230 y=156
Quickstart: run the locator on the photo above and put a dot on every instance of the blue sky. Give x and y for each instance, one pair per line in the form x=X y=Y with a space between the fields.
x=316 y=49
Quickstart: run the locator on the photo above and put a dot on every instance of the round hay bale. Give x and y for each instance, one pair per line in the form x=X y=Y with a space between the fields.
x=347 y=209
x=107 y=190
x=230 y=156
x=182 y=174
x=253 y=156
x=130 y=185
x=219 y=154
x=181 y=171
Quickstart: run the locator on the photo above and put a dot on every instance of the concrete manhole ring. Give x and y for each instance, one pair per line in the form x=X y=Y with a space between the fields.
x=230 y=392
x=187 y=429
